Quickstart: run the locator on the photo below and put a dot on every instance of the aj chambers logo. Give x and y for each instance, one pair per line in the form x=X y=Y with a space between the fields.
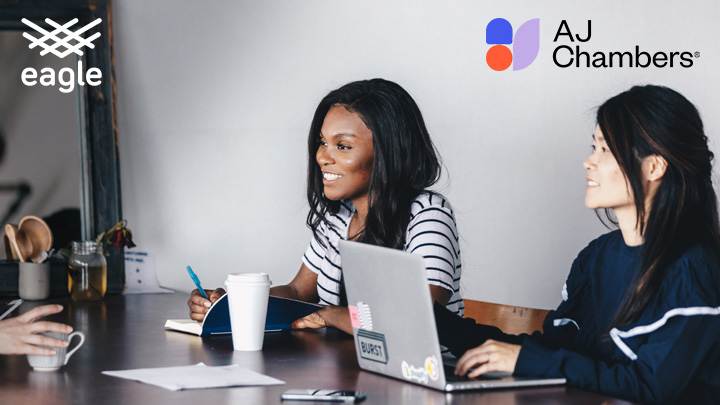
x=52 y=42
x=566 y=56
x=572 y=51
x=526 y=44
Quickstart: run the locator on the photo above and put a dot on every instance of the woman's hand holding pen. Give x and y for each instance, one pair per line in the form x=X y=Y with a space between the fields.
x=199 y=305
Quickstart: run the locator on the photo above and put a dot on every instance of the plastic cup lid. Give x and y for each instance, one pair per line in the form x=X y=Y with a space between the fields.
x=262 y=278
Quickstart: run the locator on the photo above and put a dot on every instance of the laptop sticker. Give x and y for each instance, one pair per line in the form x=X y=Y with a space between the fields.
x=421 y=374
x=431 y=366
x=354 y=318
x=372 y=346
x=414 y=373
x=364 y=316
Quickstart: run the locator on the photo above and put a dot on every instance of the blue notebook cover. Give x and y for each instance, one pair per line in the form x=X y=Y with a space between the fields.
x=281 y=313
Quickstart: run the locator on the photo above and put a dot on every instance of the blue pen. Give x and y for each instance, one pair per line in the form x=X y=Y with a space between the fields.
x=197 y=282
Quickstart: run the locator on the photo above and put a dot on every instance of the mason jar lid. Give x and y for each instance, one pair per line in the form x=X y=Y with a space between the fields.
x=85 y=247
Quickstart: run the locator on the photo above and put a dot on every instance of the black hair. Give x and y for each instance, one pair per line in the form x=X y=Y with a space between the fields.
x=655 y=120
x=405 y=161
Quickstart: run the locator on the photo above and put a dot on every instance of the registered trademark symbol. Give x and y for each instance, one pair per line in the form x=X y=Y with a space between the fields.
x=697 y=54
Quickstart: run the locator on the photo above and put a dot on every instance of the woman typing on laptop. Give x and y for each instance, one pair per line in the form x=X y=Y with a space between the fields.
x=640 y=316
x=371 y=162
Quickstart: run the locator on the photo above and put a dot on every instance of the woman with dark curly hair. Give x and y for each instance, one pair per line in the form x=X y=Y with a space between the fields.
x=371 y=162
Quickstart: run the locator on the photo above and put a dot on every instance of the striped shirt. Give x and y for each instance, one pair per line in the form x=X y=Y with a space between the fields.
x=431 y=233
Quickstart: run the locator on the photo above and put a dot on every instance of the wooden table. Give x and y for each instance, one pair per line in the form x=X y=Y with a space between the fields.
x=126 y=332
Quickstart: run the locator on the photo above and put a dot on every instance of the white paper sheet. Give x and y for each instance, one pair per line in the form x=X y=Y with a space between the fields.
x=197 y=376
x=140 y=273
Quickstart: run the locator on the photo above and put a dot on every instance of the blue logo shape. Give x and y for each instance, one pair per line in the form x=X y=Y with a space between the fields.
x=499 y=31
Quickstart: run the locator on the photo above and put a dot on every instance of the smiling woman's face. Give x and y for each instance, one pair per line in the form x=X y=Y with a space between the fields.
x=607 y=186
x=345 y=155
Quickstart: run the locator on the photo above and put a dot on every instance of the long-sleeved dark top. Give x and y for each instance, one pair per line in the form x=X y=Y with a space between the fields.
x=670 y=354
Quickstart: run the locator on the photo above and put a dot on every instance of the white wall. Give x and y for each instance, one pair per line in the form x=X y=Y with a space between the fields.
x=215 y=100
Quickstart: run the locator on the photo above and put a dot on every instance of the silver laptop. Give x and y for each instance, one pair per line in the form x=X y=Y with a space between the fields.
x=394 y=325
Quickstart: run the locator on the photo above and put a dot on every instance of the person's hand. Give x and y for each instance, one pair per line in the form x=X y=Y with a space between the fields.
x=21 y=335
x=199 y=305
x=316 y=320
x=338 y=317
x=489 y=356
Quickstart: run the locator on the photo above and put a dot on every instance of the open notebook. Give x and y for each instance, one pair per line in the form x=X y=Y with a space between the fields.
x=281 y=313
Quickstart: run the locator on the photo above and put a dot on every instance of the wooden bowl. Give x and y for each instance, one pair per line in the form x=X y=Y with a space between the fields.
x=38 y=235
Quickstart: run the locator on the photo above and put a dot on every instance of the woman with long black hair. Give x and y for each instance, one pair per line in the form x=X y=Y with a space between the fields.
x=640 y=316
x=370 y=164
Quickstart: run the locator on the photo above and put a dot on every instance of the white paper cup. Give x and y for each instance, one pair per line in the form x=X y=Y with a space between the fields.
x=247 y=300
x=62 y=355
x=34 y=280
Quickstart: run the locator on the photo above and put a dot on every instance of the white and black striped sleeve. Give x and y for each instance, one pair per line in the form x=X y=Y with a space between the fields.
x=432 y=233
x=315 y=254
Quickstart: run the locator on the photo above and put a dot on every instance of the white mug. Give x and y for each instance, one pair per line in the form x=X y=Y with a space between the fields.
x=61 y=356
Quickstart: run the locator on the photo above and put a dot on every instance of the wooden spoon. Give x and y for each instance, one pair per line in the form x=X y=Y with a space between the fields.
x=24 y=243
x=10 y=231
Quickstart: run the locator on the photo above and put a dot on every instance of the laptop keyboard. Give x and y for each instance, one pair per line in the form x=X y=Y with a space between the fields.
x=451 y=377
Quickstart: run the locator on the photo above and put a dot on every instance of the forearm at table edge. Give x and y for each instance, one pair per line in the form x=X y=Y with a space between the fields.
x=627 y=381
x=285 y=291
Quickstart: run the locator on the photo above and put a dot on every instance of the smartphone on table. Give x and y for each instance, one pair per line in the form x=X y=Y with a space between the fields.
x=9 y=307
x=323 y=395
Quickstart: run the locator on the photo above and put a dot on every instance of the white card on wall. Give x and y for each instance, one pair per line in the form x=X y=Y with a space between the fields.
x=140 y=275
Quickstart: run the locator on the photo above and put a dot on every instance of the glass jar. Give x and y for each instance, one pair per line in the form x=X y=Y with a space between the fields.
x=87 y=275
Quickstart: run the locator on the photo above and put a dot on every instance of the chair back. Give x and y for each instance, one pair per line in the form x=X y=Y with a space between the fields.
x=508 y=318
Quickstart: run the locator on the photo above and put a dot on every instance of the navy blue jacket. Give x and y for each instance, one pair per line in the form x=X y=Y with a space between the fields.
x=670 y=354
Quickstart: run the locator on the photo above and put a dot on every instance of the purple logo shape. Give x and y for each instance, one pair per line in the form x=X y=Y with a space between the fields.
x=526 y=44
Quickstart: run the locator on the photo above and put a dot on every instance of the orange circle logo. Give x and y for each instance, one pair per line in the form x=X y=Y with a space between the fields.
x=499 y=57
